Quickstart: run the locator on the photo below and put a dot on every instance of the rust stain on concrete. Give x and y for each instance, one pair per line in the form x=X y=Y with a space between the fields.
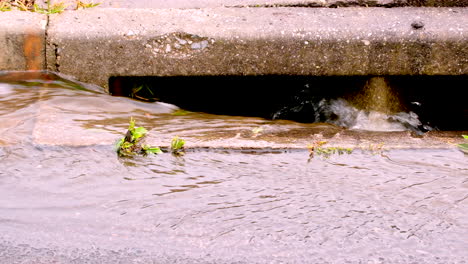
x=33 y=44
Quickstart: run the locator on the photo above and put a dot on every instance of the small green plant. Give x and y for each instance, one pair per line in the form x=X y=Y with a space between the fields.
x=464 y=147
x=316 y=149
x=54 y=8
x=83 y=5
x=131 y=144
x=151 y=150
x=144 y=93
x=177 y=146
x=327 y=152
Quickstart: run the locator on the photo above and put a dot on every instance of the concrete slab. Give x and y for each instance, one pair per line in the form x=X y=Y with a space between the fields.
x=96 y=44
x=22 y=38
x=60 y=123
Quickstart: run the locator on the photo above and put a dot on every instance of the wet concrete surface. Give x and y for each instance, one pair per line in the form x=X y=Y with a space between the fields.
x=65 y=196
x=50 y=110
x=75 y=205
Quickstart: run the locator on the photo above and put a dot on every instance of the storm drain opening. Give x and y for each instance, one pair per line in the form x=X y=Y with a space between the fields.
x=378 y=103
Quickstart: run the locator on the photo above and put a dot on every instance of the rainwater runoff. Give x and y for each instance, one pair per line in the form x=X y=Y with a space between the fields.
x=66 y=196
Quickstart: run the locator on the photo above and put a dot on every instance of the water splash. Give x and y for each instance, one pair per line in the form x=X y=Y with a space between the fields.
x=375 y=108
x=342 y=113
x=377 y=95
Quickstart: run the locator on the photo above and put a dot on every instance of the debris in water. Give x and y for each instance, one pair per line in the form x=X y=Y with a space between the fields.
x=256 y=131
x=132 y=143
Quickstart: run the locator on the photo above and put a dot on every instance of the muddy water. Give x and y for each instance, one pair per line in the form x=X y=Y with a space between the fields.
x=65 y=200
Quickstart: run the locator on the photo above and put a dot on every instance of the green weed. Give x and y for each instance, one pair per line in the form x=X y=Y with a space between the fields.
x=144 y=93
x=151 y=150
x=131 y=144
x=54 y=8
x=83 y=5
x=464 y=147
x=177 y=146
x=316 y=149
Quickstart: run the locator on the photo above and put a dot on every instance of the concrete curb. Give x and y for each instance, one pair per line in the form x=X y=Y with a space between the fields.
x=93 y=45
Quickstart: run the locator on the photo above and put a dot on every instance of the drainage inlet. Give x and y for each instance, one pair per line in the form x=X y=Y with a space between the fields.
x=418 y=103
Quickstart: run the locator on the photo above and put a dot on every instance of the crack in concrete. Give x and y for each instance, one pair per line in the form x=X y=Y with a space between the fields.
x=54 y=51
x=57 y=57
x=46 y=38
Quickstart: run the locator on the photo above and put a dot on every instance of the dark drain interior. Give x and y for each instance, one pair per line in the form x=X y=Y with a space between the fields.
x=441 y=102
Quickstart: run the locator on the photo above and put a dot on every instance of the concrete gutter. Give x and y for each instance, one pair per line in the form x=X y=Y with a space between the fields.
x=95 y=44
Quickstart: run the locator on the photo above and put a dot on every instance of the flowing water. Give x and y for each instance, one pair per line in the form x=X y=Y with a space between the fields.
x=374 y=108
x=65 y=196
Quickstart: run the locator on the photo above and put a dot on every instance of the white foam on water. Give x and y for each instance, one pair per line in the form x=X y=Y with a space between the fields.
x=346 y=115
x=5 y=89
